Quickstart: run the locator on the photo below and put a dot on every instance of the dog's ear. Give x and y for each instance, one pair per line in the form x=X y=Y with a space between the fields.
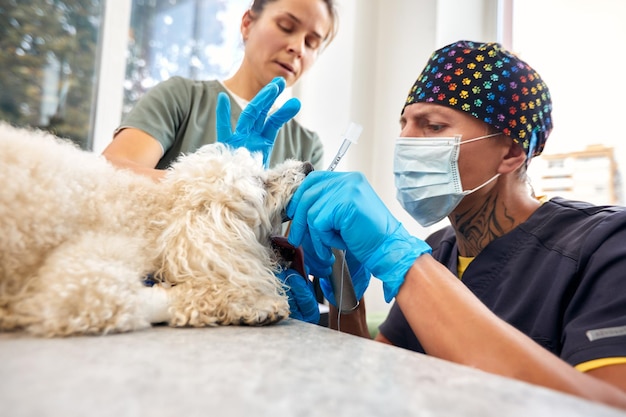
x=217 y=217
x=205 y=240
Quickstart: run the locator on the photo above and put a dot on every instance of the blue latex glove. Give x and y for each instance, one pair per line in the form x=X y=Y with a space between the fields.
x=341 y=210
x=255 y=131
x=302 y=302
x=360 y=280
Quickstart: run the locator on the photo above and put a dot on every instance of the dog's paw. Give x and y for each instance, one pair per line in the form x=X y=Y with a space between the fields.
x=261 y=314
x=237 y=307
x=154 y=304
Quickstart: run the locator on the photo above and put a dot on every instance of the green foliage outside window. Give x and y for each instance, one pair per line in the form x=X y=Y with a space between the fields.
x=48 y=56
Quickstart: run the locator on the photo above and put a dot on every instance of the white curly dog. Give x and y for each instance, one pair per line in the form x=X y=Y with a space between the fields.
x=78 y=237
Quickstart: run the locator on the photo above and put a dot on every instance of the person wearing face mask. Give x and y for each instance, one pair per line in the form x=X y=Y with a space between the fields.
x=282 y=38
x=516 y=285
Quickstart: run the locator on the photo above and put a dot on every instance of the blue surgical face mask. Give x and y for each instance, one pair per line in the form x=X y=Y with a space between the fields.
x=427 y=176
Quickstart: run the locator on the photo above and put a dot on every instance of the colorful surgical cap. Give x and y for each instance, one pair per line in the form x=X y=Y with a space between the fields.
x=491 y=84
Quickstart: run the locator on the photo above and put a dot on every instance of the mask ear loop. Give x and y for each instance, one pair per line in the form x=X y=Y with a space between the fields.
x=467 y=192
x=479 y=138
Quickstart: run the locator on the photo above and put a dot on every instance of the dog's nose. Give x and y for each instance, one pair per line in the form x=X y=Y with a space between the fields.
x=307 y=168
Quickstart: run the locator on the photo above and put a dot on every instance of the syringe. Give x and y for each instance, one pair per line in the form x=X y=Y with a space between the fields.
x=340 y=278
x=351 y=136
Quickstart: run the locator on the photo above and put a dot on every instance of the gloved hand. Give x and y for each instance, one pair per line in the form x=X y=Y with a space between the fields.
x=360 y=280
x=341 y=210
x=255 y=131
x=302 y=303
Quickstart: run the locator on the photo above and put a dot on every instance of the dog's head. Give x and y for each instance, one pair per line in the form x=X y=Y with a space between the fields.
x=280 y=183
x=224 y=200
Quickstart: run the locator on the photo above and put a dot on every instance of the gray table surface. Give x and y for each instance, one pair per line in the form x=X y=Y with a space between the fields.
x=288 y=369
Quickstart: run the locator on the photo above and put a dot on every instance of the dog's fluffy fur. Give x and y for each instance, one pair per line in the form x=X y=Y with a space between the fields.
x=78 y=237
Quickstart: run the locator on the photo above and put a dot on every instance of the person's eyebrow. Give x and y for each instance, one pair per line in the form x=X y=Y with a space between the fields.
x=294 y=18
x=434 y=111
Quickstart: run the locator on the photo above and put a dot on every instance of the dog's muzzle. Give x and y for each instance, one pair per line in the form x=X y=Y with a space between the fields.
x=307 y=168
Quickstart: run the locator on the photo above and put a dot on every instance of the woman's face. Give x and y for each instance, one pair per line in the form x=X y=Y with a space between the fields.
x=285 y=39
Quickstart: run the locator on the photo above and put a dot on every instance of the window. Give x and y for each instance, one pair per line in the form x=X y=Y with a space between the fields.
x=181 y=37
x=48 y=55
x=588 y=32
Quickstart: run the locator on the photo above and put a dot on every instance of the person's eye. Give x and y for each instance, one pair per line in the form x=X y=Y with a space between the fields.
x=285 y=25
x=430 y=127
x=435 y=128
x=312 y=42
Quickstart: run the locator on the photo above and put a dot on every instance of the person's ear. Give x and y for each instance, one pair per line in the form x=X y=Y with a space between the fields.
x=512 y=159
x=246 y=24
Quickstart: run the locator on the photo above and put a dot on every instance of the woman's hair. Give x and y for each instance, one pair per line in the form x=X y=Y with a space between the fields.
x=257 y=7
